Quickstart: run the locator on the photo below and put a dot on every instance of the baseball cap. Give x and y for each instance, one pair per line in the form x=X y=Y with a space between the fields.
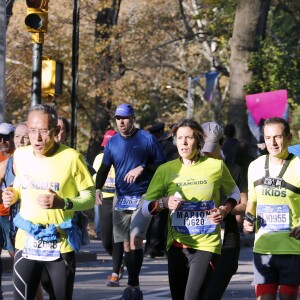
x=214 y=133
x=124 y=110
x=6 y=128
x=108 y=134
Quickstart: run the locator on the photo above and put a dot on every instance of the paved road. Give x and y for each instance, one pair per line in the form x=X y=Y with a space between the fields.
x=94 y=265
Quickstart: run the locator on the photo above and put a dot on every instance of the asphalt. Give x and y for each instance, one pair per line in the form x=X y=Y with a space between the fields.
x=94 y=265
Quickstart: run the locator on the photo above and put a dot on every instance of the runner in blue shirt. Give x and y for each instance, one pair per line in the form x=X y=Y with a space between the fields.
x=135 y=155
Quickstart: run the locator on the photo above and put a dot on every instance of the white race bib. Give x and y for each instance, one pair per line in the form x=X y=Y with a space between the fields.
x=40 y=250
x=273 y=218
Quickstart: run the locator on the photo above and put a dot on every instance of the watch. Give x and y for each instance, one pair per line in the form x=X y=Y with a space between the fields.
x=68 y=204
x=161 y=203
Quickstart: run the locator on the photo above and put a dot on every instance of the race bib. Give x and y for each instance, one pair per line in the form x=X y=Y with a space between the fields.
x=109 y=186
x=127 y=203
x=273 y=218
x=40 y=250
x=192 y=217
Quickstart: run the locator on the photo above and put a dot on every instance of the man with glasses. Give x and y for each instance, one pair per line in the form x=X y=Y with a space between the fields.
x=135 y=154
x=53 y=182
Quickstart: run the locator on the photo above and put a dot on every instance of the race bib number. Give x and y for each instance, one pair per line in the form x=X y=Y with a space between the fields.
x=192 y=218
x=273 y=218
x=40 y=250
x=128 y=203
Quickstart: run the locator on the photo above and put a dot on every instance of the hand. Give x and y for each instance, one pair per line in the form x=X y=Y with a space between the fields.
x=172 y=202
x=8 y=197
x=133 y=174
x=248 y=226
x=295 y=233
x=99 y=197
x=217 y=215
x=50 y=201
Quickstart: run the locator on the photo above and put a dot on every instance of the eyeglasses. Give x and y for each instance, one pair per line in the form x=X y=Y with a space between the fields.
x=42 y=132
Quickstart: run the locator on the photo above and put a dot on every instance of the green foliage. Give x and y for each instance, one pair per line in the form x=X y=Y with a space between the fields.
x=218 y=16
x=146 y=59
x=276 y=65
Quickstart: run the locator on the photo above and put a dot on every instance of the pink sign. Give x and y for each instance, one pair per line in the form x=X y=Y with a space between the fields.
x=267 y=105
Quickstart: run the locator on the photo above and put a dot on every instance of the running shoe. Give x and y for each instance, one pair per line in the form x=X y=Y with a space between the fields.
x=137 y=294
x=112 y=281
x=127 y=294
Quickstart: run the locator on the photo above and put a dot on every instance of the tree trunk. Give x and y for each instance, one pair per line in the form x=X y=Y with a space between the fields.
x=2 y=58
x=244 y=39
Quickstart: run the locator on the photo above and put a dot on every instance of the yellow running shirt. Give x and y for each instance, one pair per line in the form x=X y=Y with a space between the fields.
x=200 y=182
x=277 y=209
x=65 y=173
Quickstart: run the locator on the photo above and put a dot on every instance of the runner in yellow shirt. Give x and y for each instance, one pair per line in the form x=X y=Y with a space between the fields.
x=53 y=182
x=189 y=187
x=273 y=199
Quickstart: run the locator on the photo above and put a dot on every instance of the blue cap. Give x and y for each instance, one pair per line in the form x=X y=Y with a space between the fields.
x=124 y=110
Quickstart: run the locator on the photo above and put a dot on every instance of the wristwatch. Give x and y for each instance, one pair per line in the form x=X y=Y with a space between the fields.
x=68 y=204
x=161 y=203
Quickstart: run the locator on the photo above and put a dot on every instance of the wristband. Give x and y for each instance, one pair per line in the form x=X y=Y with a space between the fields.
x=98 y=190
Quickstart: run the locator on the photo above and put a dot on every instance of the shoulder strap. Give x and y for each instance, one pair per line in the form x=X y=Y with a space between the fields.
x=286 y=164
x=290 y=187
x=284 y=167
x=267 y=174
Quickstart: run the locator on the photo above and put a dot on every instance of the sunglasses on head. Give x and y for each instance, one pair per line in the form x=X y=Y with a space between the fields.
x=4 y=137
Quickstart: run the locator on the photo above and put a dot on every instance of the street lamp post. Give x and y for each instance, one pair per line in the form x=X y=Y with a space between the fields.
x=36 y=85
x=36 y=22
x=74 y=88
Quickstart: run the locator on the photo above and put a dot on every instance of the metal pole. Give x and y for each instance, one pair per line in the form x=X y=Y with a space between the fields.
x=189 y=97
x=36 y=87
x=74 y=88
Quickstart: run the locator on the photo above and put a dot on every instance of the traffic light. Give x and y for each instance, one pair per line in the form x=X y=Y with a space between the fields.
x=52 y=77
x=36 y=20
